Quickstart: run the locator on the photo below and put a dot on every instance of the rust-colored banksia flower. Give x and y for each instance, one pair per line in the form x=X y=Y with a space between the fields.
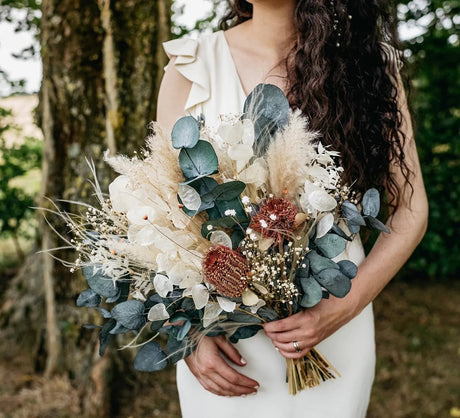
x=275 y=219
x=227 y=270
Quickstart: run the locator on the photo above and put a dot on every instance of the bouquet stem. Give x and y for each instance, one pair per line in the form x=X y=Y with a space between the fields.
x=308 y=371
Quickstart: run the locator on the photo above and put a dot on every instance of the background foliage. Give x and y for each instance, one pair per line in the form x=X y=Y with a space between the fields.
x=434 y=68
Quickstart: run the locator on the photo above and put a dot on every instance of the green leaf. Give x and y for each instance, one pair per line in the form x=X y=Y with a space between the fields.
x=179 y=349
x=348 y=268
x=185 y=133
x=237 y=236
x=376 y=224
x=226 y=222
x=119 y=329
x=334 y=282
x=268 y=314
x=312 y=292
x=331 y=245
x=268 y=108
x=354 y=218
x=339 y=231
x=105 y=337
x=88 y=299
x=130 y=314
x=371 y=202
x=150 y=358
x=239 y=315
x=199 y=161
x=225 y=191
x=204 y=185
x=244 y=332
x=103 y=285
x=319 y=263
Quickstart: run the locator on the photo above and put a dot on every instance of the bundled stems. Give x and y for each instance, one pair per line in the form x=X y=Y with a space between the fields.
x=308 y=371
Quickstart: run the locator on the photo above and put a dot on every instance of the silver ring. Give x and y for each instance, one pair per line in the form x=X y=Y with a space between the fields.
x=296 y=346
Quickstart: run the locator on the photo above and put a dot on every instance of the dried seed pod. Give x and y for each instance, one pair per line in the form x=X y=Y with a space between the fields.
x=227 y=270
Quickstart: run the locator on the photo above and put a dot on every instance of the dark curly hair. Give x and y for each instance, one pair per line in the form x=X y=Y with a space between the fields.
x=344 y=78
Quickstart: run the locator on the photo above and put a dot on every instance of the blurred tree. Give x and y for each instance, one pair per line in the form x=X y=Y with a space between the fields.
x=102 y=65
x=15 y=203
x=434 y=67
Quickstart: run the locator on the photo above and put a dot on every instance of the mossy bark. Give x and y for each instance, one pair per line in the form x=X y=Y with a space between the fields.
x=102 y=63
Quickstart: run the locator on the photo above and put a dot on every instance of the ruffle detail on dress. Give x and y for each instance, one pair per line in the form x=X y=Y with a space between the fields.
x=192 y=67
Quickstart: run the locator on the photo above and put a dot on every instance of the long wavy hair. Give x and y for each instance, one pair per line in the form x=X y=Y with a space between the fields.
x=342 y=73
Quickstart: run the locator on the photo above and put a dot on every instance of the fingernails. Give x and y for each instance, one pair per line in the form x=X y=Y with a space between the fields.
x=243 y=395
x=243 y=361
x=256 y=387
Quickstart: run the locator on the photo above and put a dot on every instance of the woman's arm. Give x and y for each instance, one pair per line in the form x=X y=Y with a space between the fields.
x=407 y=225
x=206 y=362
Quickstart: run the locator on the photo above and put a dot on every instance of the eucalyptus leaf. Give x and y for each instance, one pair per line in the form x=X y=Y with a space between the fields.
x=105 y=313
x=204 y=185
x=334 y=281
x=348 y=268
x=156 y=325
x=199 y=161
x=268 y=108
x=312 y=292
x=88 y=299
x=103 y=285
x=247 y=331
x=113 y=299
x=354 y=218
x=340 y=232
x=376 y=224
x=105 y=337
x=268 y=314
x=130 y=314
x=119 y=329
x=371 y=202
x=150 y=358
x=225 y=191
x=183 y=330
x=226 y=222
x=239 y=315
x=330 y=245
x=234 y=204
x=179 y=349
x=319 y=263
x=237 y=236
x=185 y=133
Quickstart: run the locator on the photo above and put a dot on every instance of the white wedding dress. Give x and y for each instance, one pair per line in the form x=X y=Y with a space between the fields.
x=216 y=89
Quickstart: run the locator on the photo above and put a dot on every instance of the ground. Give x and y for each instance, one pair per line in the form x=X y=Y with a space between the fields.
x=418 y=350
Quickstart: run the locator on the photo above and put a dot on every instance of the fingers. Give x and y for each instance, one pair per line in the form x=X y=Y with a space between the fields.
x=213 y=372
x=230 y=351
x=287 y=324
x=288 y=350
x=283 y=337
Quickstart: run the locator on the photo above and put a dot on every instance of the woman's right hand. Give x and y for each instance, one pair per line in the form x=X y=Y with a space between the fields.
x=214 y=373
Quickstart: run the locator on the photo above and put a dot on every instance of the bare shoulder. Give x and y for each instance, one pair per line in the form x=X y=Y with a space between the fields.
x=172 y=96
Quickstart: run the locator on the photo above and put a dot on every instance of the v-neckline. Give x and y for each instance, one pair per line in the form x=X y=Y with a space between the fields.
x=235 y=69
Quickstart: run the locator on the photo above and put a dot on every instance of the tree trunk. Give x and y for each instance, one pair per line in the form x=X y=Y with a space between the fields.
x=102 y=63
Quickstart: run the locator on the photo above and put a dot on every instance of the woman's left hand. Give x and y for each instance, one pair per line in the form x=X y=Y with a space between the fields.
x=308 y=328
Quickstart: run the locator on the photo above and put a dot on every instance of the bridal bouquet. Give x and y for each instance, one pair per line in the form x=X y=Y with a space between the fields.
x=218 y=229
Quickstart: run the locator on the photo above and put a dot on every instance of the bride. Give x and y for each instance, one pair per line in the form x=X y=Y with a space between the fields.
x=335 y=61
